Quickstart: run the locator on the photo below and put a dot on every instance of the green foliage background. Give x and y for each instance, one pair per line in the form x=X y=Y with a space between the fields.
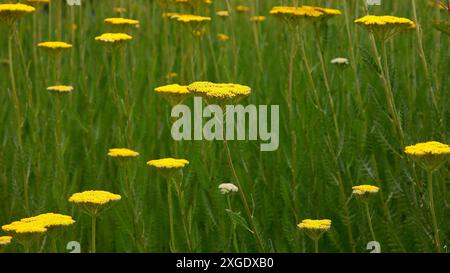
x=309 y=176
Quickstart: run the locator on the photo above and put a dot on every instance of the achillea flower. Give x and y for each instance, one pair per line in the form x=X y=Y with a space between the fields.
x=339 y=60
x=10 y=13
x=189 y=18
x=171 y=75
x=94 y=197
x=60 y=89
x=50 y=220
x=223 y=13
x=113 y=38
x=228 y=188
x=223 y=37
x=121 y=21
x=54 y=46
x=37 y=3
x=315 y=228
x=258 y=19
x=430 y=155
x=122 y=152
x=242 y=8
x=173 y=93
x=170 y=15
x=385 y=27
x=5 y=240
x=168 y=163
x=24 y=228
x=364 y=192
x=217 y=92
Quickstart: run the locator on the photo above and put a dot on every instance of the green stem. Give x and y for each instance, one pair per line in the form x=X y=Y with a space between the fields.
x=94 y=223
x=316 y=246
x=433 y=213
x=369 y=220
x=244 y=199
x=171 y=222
x=13 y=86
x=234 y=235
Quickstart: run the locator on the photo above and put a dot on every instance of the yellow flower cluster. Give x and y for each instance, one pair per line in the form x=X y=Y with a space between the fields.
x=190 y=18
x=303 y=11
x=365 y=189
x=384 y=27
x=38 y=224
x=5 y=240
x=168 y=163
x=257 y=19
x=173 y=89
x=113 y=37
x=122 y=152
x=223 y=37
x=219 y=90
x=9 y=13
x=242 y=8
x=54 y=45
x=223 y=13
x=121 y=21
x=429 y=148
x=94 y=197
x=60 y=88
x=322 y=225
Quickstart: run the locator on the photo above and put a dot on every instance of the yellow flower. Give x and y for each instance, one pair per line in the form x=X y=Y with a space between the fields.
x=5 y=240
x=24 y=228
x=94 y=197
x=219 y=91
x=113 y=37
x=54 y=45
x=384 y=27
x=189 y=18
x=294 y=15
x=223 y=37
x=60 y=88
x=364 y=192
x=170 y=15
x=223 y=13
x=122 y=152
x=171 y=75
x=121 y=21
x=168 y=163
x=430 y=155
x=315 y=228
x=9 y=13
x=49 y=220
x=173 y=93
x=242 y=8
x=257 y=19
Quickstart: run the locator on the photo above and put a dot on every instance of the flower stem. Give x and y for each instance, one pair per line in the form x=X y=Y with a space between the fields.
x=171 y=227
x=316 y=246
x=433 y=213
x=369 y=220
x=244 y=199
x=94 y=223
x=13 y=86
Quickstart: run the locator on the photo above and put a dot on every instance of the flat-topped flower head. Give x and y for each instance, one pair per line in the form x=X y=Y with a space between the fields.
x=54 y=45
x=219 y=92
x=340 y=61
x=364 y=192
x=315 y=228
x=223 y=13
x=94 y=197
x=10 y=13
x=50 y=220
x=296 y=15
x=37 y=3
x=226 y=188
x=121 y=24
x=60 y=89
x=242 y=8
x=327 y=13
x=191 y=19
x=113 y=39
x=258 y=18
x=168 y=163
x=386 y=26
x=173 y=93
x=223 y=37
x=430 y=155
x=121 y=21
x=5 y=240
x=24 y=228
x=122 y=153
